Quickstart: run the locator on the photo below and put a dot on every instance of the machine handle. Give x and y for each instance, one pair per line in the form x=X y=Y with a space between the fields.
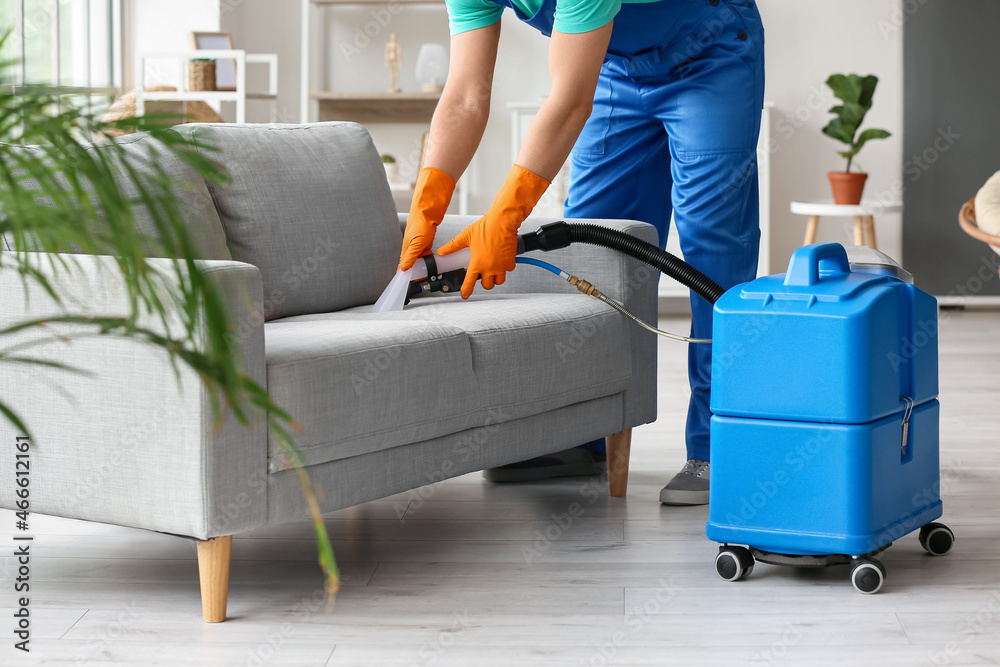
x=803 y=269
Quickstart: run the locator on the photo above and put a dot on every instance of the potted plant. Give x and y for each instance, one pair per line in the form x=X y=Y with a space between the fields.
x=391 y=168
x=855 y=93
x=89 y=206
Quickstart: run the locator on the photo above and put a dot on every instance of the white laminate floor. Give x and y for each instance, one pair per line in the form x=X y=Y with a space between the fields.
x=476 y=574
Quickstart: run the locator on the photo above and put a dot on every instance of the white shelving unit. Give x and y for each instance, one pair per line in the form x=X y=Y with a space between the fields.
x=368 y=107
x=362 y=107
x=239 y=96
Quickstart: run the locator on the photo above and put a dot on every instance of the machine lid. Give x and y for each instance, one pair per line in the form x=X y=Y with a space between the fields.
x=870 y=260
x=823 y=273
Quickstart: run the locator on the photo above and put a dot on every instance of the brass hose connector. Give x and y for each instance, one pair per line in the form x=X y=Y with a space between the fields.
x=585 y=287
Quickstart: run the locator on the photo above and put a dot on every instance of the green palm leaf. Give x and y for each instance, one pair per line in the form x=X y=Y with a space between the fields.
x=62 y=194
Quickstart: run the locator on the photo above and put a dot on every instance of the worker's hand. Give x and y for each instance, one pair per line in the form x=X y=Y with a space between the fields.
x=430 y=202
x=493 y=238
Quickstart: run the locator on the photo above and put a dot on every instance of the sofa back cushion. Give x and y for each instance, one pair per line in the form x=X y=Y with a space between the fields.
x=193 y=202
x=309 y=206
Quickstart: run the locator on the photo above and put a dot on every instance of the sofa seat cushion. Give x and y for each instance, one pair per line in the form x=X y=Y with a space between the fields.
x=358 y=386
x=452 y=364
x=535 y=352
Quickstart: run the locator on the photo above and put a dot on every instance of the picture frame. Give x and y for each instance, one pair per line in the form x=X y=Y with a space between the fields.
x=225 y=68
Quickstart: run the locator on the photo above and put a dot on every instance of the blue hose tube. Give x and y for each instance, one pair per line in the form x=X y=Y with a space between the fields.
x=539 y=263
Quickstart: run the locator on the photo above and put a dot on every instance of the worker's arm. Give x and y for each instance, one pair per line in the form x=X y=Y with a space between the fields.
x=456 y=130
x=574 y=64
x=460 y=118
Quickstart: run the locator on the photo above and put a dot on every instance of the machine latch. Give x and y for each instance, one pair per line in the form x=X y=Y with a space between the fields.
x=907 y=413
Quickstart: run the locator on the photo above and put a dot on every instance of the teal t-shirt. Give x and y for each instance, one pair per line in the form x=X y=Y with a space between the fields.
x=571 y=16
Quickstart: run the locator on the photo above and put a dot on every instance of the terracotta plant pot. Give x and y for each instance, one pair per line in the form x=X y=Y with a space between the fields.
x=847 y=186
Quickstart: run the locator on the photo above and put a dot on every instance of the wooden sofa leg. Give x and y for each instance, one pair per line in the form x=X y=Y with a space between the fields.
x=618 y=446
x=213 y=570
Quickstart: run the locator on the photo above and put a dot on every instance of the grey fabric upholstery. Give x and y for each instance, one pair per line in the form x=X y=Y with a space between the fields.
x=134 y=445
x=627 y=280
x=389 y=402
x=361 y=382
x=359 y=385
x=194 y=204
x=359 y=479
x=309 y=206
x=534 y=353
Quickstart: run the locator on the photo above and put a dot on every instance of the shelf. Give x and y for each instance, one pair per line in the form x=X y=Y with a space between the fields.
x=193 y=95
x=377 y=107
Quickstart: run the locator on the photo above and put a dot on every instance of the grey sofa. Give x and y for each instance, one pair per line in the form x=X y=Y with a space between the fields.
x=302 y=243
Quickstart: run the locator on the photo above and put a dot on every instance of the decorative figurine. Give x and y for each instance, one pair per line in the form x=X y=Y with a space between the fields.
x=393 y=60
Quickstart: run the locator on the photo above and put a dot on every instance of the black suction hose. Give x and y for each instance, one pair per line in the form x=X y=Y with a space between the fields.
x=560 y=234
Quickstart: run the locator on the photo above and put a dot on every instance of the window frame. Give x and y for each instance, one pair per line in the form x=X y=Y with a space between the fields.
x=57 y=45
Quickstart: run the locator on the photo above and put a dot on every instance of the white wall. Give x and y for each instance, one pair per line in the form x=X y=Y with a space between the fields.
x=267 y=26
x=353 y=61
x=155 y=25
x=807 y=40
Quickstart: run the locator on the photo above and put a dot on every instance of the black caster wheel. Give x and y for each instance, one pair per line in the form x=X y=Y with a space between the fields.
x=936 y=539
x=734 y=563
x=867 y=575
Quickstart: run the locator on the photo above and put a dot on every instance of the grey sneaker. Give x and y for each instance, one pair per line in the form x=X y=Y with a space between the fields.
x=689 y=486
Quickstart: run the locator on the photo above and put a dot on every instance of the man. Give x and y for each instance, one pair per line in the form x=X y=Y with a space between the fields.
x=660 y=103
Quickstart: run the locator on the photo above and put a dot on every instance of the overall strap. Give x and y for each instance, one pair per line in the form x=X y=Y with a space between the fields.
x=542 y=19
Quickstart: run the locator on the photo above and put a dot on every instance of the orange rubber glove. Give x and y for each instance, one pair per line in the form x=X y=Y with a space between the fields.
x=430 y=202
x=493 y=238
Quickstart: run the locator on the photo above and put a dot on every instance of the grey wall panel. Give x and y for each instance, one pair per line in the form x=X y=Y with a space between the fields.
x=951 y=139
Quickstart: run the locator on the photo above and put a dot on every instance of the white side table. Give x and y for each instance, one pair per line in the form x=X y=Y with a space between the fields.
x=863 y=214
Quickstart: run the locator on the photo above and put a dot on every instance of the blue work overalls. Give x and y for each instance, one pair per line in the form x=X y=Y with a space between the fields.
x=674 y=128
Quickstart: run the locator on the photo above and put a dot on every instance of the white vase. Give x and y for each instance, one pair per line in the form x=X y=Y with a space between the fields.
x=432 y=67
x=391 y=171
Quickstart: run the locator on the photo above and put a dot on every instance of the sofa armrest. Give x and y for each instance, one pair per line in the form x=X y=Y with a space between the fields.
x=133 y=444
x=617 y=275
x=621 y=277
